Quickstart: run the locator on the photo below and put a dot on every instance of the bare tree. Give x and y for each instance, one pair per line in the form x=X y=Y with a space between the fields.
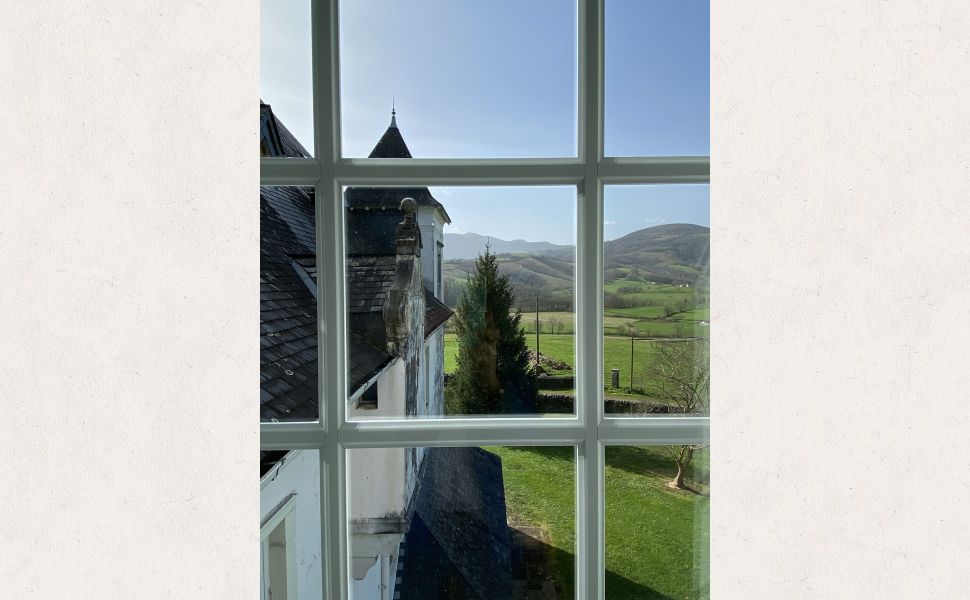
x=680 y=377
x=555 y=325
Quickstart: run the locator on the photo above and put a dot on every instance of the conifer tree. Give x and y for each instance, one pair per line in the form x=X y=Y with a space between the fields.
x=493 y=375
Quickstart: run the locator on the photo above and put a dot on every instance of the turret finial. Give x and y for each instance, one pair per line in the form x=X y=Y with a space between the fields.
x=393 y=113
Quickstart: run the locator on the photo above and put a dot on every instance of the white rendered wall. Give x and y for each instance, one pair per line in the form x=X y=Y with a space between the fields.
x=367 y=588
x=433 y=373
x=298 y=474
x=432 y=232
x=377 y=483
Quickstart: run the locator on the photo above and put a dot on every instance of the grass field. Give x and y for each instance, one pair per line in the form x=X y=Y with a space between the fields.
x=638 y=312
x=647 y=319
x=656 y=538
x=672 y=329
x=698 y=314
x=616 y=355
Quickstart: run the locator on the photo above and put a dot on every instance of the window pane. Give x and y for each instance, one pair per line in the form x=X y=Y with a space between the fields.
x=285 y=79
x=462 y=523
x=289 y=511
x=657 y=78
x=656 y=323
x=657 y=523
x=469 y=79
x=288 y=304
x=443 y=299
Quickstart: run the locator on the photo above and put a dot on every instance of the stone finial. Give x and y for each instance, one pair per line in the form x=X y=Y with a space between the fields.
x=409 y=206
x=407 y=237
x=404 y=307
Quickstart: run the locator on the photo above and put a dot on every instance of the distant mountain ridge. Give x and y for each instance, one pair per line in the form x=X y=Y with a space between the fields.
x=460 y=246
x=672 y=253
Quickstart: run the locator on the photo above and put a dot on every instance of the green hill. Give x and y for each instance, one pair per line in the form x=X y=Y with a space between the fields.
x=668 y=254
x=676 y=253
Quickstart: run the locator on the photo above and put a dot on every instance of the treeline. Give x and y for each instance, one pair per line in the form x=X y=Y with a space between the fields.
x=523 y=297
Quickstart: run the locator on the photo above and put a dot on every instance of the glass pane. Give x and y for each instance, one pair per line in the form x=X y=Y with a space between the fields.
x=462 y=523
x=657 y=78
x=287 y=304
x=656 y=294
x=444 y=294
x=657 y=522
x=285 y=79
x=468 y=79
x=289 y=512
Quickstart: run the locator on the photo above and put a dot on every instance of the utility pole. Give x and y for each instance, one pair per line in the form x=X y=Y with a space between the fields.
x=631 y=361
x=537 y=330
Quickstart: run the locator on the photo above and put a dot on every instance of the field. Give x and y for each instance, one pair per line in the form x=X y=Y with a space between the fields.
x=648 y=311
x=656 y=538
x=616 y=355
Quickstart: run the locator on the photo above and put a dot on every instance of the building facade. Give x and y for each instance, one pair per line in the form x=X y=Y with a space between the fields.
x=396 y=322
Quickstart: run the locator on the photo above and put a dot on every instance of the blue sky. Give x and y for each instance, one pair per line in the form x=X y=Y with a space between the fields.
x=497 y=78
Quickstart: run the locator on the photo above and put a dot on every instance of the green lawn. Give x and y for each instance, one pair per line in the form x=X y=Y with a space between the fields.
x=672 y=329
x=637 y=312
x=656 y=538
x=616 y=355
x=698 y=314
x=644 y=318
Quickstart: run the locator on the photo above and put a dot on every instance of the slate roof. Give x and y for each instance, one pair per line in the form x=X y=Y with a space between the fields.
x=391 y=145
x=458 y=544
x=435 y=313
x=288 y=327
x=292 y=148
x=368 y=280
x=390 y=198
x=288 y=309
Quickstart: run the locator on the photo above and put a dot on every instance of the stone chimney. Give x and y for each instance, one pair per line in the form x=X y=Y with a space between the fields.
x=404 y=308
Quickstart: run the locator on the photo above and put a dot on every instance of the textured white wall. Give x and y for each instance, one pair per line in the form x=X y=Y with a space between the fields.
x=432 y=232
x=377 y=482
x=299 y=474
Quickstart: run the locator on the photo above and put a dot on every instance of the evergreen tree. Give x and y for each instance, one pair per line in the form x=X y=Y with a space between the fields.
x=493 y=375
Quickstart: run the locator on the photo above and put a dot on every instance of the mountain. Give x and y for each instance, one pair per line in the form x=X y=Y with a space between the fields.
x=673 y=253
x=470 y=245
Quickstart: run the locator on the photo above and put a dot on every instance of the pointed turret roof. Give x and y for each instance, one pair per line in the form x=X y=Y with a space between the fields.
x=391 y=145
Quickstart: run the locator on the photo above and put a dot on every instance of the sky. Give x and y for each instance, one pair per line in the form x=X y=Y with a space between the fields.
x=497 y=79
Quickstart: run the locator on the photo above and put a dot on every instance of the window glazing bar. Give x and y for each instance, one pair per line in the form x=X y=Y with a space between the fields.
x=689 y=169
x=458 y=172
x=331 y=347
x=288 y=171
x=290 y=436
x=655 y=430
x=590 y=570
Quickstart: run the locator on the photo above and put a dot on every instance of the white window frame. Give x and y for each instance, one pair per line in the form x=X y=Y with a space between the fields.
x=589 y=431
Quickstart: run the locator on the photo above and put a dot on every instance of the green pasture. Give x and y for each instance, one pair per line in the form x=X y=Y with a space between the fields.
x=656 y=538
x=616 y=355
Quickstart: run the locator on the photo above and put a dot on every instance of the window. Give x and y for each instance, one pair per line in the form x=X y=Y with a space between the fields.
x=590 y=435
x=276 y=552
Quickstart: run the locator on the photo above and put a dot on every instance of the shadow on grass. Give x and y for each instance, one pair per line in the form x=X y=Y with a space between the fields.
x=657 y=461
x=560 y=453
x=530 y=572
x=621 y=588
